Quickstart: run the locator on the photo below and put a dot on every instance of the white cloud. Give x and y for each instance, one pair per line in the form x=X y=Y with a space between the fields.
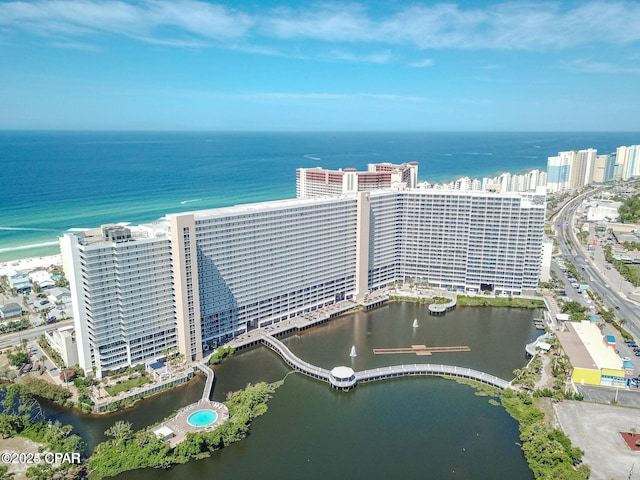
x=427 y=62
x=285 y=96
x=587 y=66
x=395 y=98
x=139 y=20
x=85 y=47
x=508 y=25
x=377 y=57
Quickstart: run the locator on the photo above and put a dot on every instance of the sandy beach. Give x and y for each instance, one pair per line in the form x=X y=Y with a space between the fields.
x=30 y=264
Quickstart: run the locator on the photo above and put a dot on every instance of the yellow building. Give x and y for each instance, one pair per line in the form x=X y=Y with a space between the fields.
x=594 y=362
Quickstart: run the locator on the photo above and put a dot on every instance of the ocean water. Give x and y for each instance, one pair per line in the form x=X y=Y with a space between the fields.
x=56 y=181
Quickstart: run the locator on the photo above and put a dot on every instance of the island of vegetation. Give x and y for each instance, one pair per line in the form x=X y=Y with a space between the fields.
x=129 y=450
x=20 y=415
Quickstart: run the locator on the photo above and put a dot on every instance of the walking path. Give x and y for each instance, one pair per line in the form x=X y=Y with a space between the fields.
x=377 y=373
x=206 y=393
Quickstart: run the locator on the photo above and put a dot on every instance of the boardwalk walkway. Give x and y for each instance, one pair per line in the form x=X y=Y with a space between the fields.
x=206 y=393
x=379 y=373
x=293 y=361
x=431 y=369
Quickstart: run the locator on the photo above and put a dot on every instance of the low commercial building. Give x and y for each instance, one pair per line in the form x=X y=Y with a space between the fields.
x=594 y=360
x=59 y=294
x=63 y=341
x=10 y=310
x=19 y=280
x=42 y=278
x=601 y=210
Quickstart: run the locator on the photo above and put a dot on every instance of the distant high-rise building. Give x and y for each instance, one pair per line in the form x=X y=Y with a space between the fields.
x=626 y=157
x=558 y=172
x=603 y=169
x=570 y=170
x=313 y=182
x=581 y=167
x=610 y=168
x=599 y=169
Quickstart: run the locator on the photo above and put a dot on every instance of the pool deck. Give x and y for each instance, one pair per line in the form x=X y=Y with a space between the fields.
x=180 y=426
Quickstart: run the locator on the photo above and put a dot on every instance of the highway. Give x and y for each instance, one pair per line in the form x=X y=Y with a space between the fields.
x=609 y=284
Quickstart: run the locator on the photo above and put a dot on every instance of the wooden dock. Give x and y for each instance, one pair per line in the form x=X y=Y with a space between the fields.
x=421 y=350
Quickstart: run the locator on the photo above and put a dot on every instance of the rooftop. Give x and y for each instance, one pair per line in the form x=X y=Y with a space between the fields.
x=585 y=346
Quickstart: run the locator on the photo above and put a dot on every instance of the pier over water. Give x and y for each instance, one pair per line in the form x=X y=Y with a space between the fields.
x=346 y=383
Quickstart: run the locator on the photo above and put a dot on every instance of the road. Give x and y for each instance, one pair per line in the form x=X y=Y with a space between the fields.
x=9 y=339
x=609 y=284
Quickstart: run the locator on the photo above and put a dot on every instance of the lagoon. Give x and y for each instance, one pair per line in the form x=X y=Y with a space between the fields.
x=415 y=427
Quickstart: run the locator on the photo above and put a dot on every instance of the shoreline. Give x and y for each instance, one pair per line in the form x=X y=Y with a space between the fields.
x=30 y=264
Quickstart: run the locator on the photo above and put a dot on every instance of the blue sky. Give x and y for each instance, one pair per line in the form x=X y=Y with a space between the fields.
x=377 y=65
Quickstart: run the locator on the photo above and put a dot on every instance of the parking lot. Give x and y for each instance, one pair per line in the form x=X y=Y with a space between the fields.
x=596 y=430
x=37 y=308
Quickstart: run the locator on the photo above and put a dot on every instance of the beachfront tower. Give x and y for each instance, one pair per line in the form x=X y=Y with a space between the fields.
x=313 y=182
x=195 y=280
x=122 y=289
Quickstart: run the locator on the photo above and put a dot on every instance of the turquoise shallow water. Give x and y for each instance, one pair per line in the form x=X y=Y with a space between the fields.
x=202 y=418
x=55 y=181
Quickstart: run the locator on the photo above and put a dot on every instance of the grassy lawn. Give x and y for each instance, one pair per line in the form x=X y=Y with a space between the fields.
x=635 y=273
x=126 y=385
x=464 y=301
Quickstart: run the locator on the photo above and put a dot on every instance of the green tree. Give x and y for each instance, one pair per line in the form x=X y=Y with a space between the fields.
x=4 y=475
x=629 y=211
x=575 y=310
x=18 y=358
x=607 y=315
x=120 y=431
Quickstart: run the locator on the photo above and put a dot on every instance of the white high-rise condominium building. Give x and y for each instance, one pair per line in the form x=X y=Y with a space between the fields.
x=570 y=170
x=581 y=170
x=558 y=172
x=224 y=271
x=627 y=157
x=121 y=283
x=262 y=263
x=468 y=241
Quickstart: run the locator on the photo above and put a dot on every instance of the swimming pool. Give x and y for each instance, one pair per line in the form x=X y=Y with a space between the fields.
x=202 y=418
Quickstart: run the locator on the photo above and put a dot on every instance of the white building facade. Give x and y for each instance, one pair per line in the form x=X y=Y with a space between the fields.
x=471 y=241
x=262 y=263
x=205 y=277
x=313 y=182
x=121 y=283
